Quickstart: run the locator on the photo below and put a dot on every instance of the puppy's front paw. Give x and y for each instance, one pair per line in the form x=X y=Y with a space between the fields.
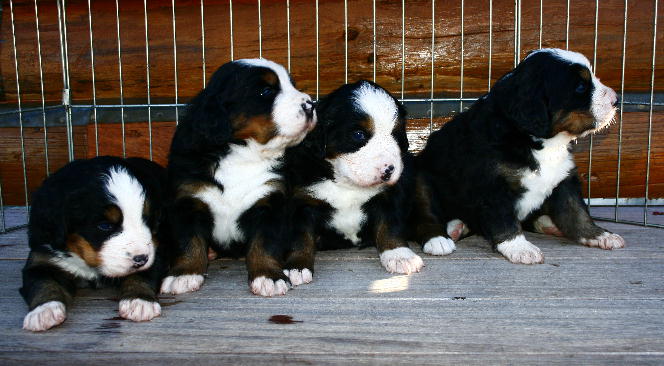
x=605 y=240
x=264 y=286
x=45 y=316
x=181 y=284
x=299 y=277
x=439 y=245
x=139 y=310
x=456 y=229
x=401 y=260
x=544 y=225
x=520 y=250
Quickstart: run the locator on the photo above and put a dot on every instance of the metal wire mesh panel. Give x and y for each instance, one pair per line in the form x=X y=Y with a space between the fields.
x=125 y=69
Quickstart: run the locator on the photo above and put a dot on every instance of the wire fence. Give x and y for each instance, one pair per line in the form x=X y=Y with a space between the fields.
x=13 y=217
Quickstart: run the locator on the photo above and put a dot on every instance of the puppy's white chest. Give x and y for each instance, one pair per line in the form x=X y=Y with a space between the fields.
x=346 y=200
x=246 y=177
x=555 y=163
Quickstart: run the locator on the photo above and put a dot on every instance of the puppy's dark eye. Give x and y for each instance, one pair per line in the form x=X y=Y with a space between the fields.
x=105 y=226
x=359 y=136
x=581 y=88
x=267 y=92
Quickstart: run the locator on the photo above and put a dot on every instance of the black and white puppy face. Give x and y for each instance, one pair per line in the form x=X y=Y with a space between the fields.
x=109 y=227
x=364 y=133
x=553 y=91
x=253 y=100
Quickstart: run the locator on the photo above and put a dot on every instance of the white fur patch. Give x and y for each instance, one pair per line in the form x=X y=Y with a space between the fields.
x=456 y=229
x=181 y=284
x=439 y=245
x=347 y=201
x=365 y=167
x=135 y=238
x=267 y=287
x=139 y=310
x=520 y=250
x=606 y=241
x=245 y=174
x=401 y=260
x=298 y=277
x=75 y=265
x=555 y=162
x=545 y=225
x=45 y=316
x=287 y=112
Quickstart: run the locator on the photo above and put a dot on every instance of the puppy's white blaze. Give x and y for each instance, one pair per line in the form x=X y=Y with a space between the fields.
x=287 y=111
x=181 y=284
x=135 y=237
x=139 y=310
x=365 y=166
x=439 y=245
x=606 y=241
x=347 y=201
x=245 y=174
x=75 y=265
x=401 y=260
x=45 y=316
x=520 y=250
x=266 y=287
x=555 y=162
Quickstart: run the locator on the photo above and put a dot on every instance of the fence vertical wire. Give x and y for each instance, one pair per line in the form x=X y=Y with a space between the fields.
x=147 y=73
x=590 y=142
x=230 y=23
x=92 y=71
x=66 y=91
x=175 y=62
x=374 y=38
x=652 y=93
x=20 y=111
x=122 y=120
x=41 y=90
x=260 y=31
x=288 y=40
x=622 y=107
x=345 y=41
x=461 y=59
x=403 y=45
x=490 y=42
x=203 y=66
x=433 y=59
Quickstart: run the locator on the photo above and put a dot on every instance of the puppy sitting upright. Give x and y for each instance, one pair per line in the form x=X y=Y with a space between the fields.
x=350 y=178
x=93 y=221
x=224 y=178
x=507 y=161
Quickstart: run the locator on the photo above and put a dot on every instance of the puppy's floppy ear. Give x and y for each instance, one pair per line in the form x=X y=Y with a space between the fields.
x=521 y=96
x=402 y=138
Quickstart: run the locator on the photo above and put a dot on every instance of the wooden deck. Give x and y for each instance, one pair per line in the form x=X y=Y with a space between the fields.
x=583 y=306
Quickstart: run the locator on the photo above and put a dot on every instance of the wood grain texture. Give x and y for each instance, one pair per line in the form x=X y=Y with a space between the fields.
x=473 y=307
x=418 y=31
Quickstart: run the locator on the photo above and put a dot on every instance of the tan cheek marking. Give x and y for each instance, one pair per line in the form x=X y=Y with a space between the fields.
x=260 y=128
x=576 y=122
x=113 y=214
x=81 y=247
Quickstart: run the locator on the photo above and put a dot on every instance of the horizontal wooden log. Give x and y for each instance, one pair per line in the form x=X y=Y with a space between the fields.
x=417 y=64
x=109 y=142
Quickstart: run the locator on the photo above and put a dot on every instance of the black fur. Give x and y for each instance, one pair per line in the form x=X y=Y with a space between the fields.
x=72 y=201
x=471 y=168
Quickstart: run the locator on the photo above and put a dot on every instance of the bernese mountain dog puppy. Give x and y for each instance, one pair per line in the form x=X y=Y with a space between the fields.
x=95 y=222
x=350 y=178
x=505 y=164
x=224 y=175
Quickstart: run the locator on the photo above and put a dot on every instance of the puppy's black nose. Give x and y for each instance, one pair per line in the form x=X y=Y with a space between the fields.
x=140 y=260
x=387 y=173
x=308 y=107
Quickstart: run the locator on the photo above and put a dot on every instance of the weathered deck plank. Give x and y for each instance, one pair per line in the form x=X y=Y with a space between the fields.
x=582 y=306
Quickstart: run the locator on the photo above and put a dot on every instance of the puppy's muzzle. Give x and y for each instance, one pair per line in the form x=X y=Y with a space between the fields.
x=387 y=173
x=308 y=108
x=139 y=260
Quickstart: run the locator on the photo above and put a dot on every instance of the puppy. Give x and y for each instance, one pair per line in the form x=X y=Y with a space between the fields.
x=506 y=163
x=350 y=178
x=94 y=221
x=224 y=174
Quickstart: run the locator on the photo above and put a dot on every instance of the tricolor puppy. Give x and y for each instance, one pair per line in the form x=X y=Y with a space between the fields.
x=94 y=222
x=224 y=174
x=506 y=163
x=350 y=178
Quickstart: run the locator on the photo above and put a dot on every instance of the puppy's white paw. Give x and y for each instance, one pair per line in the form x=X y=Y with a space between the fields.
x=139 y=310
x=45 y=316
x=606 y=241
x=439 y=245
x=401 y=260
x=181 y=284
x=520 y=250
x=456 y=229
x=298 y=277
x=267 y=287
x=544 y=225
